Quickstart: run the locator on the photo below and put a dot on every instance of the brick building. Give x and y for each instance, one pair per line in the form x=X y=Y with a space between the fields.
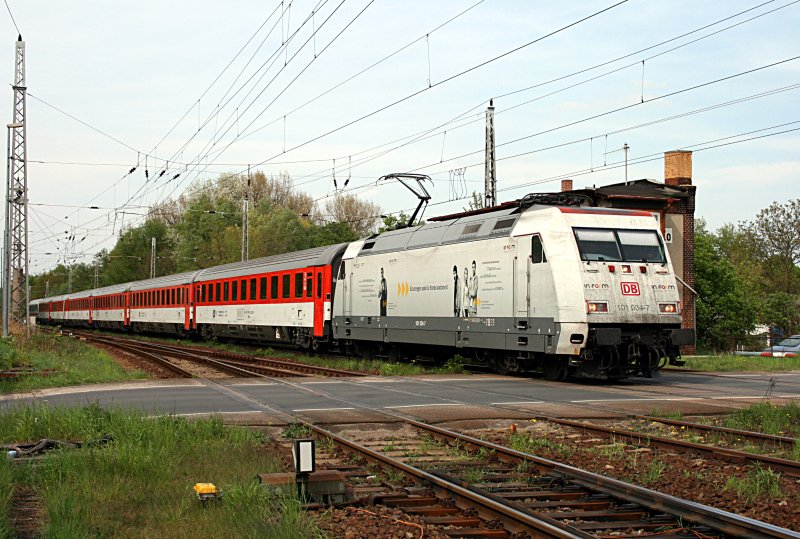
x=673 y=204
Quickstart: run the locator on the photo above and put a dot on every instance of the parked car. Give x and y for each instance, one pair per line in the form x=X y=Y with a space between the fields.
x=790 y=344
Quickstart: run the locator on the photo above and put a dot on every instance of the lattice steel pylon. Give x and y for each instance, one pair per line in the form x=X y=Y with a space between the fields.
x=15 y=278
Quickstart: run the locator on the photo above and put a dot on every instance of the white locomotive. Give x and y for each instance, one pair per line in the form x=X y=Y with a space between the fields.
x=567 y=290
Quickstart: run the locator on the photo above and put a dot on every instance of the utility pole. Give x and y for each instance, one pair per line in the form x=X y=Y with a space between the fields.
x=625 y=149
x=47 y=289
x=490 y=173
x=152 y=257
x=246 y=220
x=15 y=285
x=96 y=272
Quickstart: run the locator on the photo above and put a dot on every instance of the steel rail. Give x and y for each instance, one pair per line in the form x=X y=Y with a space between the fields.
x=789 y=467
x=723 y=521
x=162 y=361
x=787 y=440
x=517 y=519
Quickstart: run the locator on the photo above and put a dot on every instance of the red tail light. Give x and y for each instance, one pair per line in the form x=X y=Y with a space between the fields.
x=612 y=268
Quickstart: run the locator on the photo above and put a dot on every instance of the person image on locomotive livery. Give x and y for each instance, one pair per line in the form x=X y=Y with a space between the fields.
x=382 y=294
x=465 y=293
x=473 y=291
x=456 y=294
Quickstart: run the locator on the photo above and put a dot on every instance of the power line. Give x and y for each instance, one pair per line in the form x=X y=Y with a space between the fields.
x=12 y=17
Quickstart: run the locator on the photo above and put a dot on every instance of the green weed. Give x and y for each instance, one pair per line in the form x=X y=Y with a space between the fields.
x=766 y=417
x=296 y=430
x=759 y=483
x=654 y=471
x=666 y=414
x=740 y=363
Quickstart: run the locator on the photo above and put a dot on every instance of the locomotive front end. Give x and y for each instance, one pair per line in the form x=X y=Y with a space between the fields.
x=633 y=307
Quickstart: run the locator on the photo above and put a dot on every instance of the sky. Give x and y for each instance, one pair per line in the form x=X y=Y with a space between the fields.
x=361 y=88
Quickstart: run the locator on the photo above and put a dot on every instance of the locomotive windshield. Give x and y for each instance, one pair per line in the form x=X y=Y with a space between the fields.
x=607 y=245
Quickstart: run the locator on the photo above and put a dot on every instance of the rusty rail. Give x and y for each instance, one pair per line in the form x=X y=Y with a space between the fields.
x=789 y=467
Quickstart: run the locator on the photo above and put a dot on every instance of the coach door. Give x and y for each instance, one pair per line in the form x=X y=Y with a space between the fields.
x=188 y=306
x=319 y=301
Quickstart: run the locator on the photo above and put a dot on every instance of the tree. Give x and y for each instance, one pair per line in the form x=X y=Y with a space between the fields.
x=129 y=260
x=361 y=215
x=723 y=310
x=777 y=231
x=391 y=222
x=476 y=202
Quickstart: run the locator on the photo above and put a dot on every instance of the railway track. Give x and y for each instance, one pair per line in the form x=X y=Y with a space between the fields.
x=788 y=467
x=230 y=363
x=480 y=489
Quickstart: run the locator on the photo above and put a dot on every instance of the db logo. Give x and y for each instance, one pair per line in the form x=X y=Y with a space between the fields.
x=630 y=289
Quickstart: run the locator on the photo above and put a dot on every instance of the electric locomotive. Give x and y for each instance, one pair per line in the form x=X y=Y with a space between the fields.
x=567 y=290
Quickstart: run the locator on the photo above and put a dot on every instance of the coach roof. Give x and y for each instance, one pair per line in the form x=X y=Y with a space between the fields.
x=317 y=256
x=178 y=279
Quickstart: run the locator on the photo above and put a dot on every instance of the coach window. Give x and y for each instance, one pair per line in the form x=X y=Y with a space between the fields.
x=243 y=288
x=298 y=285
x=273 y=283
x=225 y=288
x=174 y=296
x=202 y=293
x=262 y=284
x=537 y=250
x=217 y=296
x=253 y=289
x=309 y=284
x=319 y=285
x=286 y=291
x=235 y=290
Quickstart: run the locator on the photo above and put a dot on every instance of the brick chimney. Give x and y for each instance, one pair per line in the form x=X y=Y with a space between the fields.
x=678 y=167
x=566 y=185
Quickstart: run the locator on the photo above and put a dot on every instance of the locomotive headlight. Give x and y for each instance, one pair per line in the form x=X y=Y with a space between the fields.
x=596 y=307
x=667 y=308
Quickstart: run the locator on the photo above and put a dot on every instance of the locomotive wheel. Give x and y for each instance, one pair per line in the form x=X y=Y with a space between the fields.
x=364 y=350
x=505 y=365
x=554 y=369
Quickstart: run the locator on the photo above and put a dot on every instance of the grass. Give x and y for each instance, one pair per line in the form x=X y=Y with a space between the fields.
x=6 y=488
x=728 y=362
x=766 y=417
x=74 y=363
x=759 y=483
x=140 y=484
x=530 y=444
x=665 y=414
x=654 y=471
